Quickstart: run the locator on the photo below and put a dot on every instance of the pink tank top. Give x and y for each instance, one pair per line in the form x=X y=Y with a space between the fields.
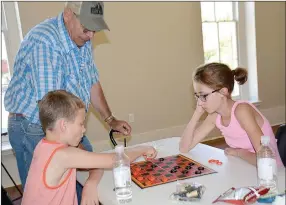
x=37 y=192
x=236 y=137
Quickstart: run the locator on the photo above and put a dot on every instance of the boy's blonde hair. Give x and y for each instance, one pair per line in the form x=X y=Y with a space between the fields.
x=58 y=104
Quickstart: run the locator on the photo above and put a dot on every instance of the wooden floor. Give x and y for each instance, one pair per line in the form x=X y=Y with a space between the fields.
x=218 y=143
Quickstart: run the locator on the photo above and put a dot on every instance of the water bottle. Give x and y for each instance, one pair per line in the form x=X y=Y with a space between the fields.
x=122 y=176
x=266 y=166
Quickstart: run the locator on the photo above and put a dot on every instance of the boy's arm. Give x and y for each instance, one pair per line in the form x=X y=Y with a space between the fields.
x=192 y=135
x=72 y=157
x=80 y=146
x=95 y=175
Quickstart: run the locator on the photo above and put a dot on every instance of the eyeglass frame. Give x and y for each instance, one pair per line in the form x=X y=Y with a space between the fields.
x=203 y=98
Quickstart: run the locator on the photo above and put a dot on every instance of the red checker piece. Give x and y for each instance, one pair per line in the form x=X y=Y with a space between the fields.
x=151 y=178
x=148 y=183
x=140 y=178
x=164 y=179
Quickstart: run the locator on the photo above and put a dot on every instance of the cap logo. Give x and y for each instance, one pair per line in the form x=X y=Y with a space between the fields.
x=97 y=10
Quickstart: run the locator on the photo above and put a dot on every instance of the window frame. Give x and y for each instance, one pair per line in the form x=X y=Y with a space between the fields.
x=240 y=29
x=11 y=28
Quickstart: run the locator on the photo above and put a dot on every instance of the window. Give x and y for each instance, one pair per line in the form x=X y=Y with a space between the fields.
x=5 y=81
x=220 y=36
x=11 y=36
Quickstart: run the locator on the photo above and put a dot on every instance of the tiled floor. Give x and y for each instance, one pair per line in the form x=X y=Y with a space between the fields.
x=218 y=143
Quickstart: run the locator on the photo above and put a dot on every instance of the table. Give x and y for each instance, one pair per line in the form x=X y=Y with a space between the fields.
x=233 y=173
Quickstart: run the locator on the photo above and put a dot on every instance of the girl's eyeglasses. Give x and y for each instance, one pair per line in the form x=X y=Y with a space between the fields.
x=203 y=98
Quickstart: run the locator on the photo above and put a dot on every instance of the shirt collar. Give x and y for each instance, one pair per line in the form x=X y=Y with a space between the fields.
x=64 y=35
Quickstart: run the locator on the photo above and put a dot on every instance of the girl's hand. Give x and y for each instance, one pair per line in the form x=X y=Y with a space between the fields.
x=232 y=152
x=199 y=109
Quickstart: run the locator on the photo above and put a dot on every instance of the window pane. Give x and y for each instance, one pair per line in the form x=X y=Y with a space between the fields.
x=223 y=11
x=228 y=43
x=207 y=9
x=211 y=48
x=5 y=81
x=235 y=91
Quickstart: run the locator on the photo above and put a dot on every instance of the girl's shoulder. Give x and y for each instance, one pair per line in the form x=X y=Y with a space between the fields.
x=242 y=106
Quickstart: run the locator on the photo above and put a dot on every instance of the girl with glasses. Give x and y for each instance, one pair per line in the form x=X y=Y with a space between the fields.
x=240 y=122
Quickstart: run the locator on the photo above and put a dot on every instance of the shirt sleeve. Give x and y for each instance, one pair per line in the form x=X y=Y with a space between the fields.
x=47 y=75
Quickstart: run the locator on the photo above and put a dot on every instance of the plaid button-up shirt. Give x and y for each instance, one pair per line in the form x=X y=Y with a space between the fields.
x=49 y=60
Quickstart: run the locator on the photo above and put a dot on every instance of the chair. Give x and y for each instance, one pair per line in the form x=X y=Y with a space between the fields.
x=20 y=192
x=281 y=142
x=113 y=140
x=5 y=199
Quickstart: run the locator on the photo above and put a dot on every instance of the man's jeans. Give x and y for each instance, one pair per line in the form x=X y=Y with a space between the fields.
x=24 y=136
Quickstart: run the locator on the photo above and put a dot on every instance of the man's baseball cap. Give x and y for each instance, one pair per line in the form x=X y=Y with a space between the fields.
x=89 y=13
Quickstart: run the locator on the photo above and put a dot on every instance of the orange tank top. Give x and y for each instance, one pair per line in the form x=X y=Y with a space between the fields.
x=36 y=189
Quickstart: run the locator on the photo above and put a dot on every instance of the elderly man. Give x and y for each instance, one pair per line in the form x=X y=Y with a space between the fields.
x=57 y=54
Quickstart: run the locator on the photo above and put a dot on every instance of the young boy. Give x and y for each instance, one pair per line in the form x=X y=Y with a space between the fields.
x=52 y=175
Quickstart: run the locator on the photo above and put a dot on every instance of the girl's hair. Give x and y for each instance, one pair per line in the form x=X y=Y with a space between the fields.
x=219 y=75
x=58 y=104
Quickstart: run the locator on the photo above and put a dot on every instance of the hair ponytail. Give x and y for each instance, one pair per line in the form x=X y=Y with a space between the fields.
x=219 y=75
x=240 y=75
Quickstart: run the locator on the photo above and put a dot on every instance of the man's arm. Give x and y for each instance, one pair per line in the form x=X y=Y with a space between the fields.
x=100 y=104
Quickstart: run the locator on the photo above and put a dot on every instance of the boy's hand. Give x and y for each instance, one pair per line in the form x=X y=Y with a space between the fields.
x=89 y=193
x=150 y=152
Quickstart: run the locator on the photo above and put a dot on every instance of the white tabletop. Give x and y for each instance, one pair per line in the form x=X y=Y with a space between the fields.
x=233 y=173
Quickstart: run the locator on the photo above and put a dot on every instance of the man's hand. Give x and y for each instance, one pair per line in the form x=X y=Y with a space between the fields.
x=120 y=126
x=89 y=193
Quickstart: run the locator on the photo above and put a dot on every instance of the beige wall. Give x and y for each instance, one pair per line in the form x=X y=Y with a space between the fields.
x=146 y=60
x=146 y=65
x=270 y=42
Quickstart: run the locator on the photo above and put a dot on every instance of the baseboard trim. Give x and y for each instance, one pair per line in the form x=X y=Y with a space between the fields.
x=276 y=115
